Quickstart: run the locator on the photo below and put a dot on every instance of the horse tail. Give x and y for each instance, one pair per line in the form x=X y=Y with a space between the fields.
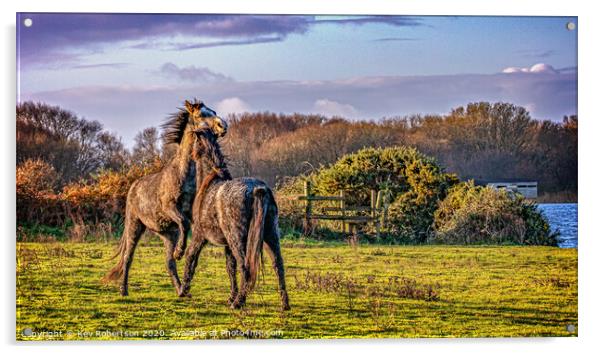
x=255 y=235
x=117 y=271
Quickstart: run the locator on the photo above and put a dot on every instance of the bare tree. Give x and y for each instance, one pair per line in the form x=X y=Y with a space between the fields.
x=74 y=146
x=112 y=153
x=146 y=150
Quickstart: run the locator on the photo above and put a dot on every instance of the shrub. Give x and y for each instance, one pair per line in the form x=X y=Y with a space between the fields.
x=412 y=182
x=86 y=209
x=35 y=176
x=103 y=198
x=36 y=200
x=481 y=215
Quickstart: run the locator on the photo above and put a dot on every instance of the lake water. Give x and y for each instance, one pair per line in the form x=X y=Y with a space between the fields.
x=563 y=217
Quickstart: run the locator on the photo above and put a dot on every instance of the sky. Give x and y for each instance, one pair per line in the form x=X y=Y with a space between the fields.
x=129 y=71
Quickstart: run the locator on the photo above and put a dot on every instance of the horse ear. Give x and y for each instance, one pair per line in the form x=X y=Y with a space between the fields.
x=188 y=106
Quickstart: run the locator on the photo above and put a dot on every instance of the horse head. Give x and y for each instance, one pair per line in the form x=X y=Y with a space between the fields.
x=202 y=116
x=193 y=116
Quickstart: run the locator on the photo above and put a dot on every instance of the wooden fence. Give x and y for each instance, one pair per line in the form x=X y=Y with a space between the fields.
x=350 y=216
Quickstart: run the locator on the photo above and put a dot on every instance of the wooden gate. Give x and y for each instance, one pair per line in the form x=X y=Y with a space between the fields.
x=374 y=214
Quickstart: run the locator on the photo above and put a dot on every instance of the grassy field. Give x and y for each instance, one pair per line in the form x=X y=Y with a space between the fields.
x=335 y=290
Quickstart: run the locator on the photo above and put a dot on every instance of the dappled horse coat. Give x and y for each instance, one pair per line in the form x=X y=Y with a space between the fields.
x=240 y=214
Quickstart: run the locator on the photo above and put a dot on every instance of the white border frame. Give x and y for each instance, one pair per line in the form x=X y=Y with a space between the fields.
x=589 y=143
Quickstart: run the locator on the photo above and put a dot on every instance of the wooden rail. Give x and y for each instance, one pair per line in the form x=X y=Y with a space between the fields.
x=346 y=214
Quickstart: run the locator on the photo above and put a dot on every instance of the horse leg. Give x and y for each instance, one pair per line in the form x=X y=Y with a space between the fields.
x=170 y=262
x=183 y=226
x=183 y=233
x=231 y=268
x=245 y=276
x=272 y=245
x=133 y=230
x=192 y=259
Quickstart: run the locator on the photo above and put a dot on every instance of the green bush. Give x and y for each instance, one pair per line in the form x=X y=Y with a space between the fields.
x=412 y=182
x=481 y=215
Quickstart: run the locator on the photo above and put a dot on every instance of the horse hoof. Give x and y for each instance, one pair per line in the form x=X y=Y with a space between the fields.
x=184 y=293
x=286 y=307
x=236 y=305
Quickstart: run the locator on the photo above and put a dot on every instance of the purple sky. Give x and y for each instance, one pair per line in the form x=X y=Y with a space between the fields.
x=130 y=71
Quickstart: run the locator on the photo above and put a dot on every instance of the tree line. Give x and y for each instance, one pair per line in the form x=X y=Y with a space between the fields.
x=482 y=141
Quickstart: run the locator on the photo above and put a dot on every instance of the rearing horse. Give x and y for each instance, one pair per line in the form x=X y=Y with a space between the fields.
x=161 y=202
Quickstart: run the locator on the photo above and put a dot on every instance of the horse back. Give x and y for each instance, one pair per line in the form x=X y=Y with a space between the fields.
x=223 y=213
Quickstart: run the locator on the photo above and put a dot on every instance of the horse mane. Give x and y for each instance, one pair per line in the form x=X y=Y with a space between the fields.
x=175 y=124
x=208 y=147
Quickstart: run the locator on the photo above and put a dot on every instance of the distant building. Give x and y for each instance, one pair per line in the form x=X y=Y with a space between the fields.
x=527 y=188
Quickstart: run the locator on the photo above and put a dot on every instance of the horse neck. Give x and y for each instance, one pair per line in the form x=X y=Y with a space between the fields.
x=206 y=173
x=204 y=169
x=184 y=153
x=210 y=166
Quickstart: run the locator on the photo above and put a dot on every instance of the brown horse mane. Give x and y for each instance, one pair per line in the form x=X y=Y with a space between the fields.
x=206 y=183
x=208 y=148
x=175 y=124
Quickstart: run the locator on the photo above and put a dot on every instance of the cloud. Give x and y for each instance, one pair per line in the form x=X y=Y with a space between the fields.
x=128 y=109
x=258 y=40
x=531 y=107
x=56 y=35
x=395 y=39
x=534 y=53
x=101 y=65
x=333 y=108
x=192 y=73
x=568 y=69
x=398 y=21
x=535 y=69
x=168 y=46
x=232 y=105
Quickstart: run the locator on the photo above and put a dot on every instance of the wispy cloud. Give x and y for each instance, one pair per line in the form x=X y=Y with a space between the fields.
x=53 y=35
x=395 y=39
x=534 y=53
x=568 y=69
x=101 y=65
x=186 y=46
x=192 y=73
x=399 y=21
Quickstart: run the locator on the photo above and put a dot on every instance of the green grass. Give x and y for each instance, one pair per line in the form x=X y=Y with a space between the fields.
x=336 y=291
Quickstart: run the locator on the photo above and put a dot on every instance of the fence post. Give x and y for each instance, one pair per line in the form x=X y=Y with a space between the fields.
x=307 y=193
x=383 y=216
x=372 y=203
x=377 y=204
x=342 y=206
